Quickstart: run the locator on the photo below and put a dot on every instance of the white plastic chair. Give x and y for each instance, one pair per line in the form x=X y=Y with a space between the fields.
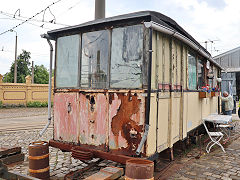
x=215 y=138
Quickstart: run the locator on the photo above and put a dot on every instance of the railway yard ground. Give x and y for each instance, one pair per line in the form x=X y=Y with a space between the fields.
x=21 y=126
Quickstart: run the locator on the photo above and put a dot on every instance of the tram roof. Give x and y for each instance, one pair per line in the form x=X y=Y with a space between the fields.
x=121 y=20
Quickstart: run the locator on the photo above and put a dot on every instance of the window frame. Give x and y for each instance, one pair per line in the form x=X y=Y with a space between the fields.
x=145 y=44
x=56 y=59
x=190 y=52
x=142 y=70
x=204 y=72
x=109 y=60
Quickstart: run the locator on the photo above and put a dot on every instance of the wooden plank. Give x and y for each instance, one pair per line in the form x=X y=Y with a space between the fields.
x=107 y=173
x=12 y=159
x=9 y=150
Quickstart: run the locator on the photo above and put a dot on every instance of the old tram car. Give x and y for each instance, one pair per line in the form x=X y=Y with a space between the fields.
x=129 y=85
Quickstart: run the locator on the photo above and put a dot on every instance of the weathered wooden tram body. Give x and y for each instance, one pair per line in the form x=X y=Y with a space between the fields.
x=128 y=85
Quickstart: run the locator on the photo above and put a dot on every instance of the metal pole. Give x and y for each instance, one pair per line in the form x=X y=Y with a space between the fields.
x=99 y=9
x=49 y=84
x=15 y=66
x=32 y=72
x=146 y=129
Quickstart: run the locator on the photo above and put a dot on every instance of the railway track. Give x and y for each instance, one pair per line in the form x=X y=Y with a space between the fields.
x=22 y=128
x=11 y=124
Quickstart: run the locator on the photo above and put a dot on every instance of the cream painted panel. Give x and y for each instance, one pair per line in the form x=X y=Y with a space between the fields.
x=160 y=57
x=175 y=118
x=206 y=107
x=215 y=71
x=154 y=56
x=173 y=62
x=179 y=54
x=184 y=70
x=163 y=110
x=151 y=139
x=185 y=114
x=166 y=60
x=214 y=104
x=193 y=110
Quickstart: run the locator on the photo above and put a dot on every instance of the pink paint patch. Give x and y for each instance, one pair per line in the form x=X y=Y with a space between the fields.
x=66 y=112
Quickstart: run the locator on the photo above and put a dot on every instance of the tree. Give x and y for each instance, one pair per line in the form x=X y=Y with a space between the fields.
x=22 y=68
x=41 y=74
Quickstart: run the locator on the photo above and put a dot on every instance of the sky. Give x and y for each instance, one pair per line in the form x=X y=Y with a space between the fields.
x=205 y=20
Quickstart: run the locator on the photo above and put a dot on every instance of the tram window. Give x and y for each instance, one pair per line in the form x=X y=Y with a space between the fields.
x=127 y=57
x=210 y=80
x=95 y=51
x=192 y=72
x=67 y=61
x=201 y=74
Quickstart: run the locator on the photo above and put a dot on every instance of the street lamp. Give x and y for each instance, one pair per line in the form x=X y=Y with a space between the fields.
x=15 y=64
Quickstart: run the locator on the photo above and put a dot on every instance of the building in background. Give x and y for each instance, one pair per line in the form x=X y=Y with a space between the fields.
x=230 y=61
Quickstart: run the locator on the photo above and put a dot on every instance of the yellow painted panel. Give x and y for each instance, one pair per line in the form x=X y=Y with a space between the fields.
x=39 y=95
x=162 y=136
x=14 y=95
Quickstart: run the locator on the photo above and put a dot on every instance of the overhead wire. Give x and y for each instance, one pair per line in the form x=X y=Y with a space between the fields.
x=18 y=19
x=11 y=16
x=30 y=18
x=70 y=8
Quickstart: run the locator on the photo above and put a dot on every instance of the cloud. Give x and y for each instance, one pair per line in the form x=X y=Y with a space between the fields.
x=205 y=21
x=66 y=12
x=219 y=4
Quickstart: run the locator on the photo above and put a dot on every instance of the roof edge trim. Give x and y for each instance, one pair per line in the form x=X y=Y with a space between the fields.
x=181 y=37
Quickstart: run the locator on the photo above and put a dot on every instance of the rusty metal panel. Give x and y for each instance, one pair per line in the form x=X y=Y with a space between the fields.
x=127 y=115
x=107 y=120
x=93 y=122
x=66 y=115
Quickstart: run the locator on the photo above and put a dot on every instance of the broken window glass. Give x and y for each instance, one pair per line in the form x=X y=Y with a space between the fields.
x=67 y=61
x=95 y=51
x=201 y=76
x=127 y=57
x=210 y=76
x=192 y=72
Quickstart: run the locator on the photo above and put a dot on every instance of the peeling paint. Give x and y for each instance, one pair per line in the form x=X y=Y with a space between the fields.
x=126 y=122
x=93 y=122
x=66 y=116
x=110 y=121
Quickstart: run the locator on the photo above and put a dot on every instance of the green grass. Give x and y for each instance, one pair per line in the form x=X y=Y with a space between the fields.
x=37 y=104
